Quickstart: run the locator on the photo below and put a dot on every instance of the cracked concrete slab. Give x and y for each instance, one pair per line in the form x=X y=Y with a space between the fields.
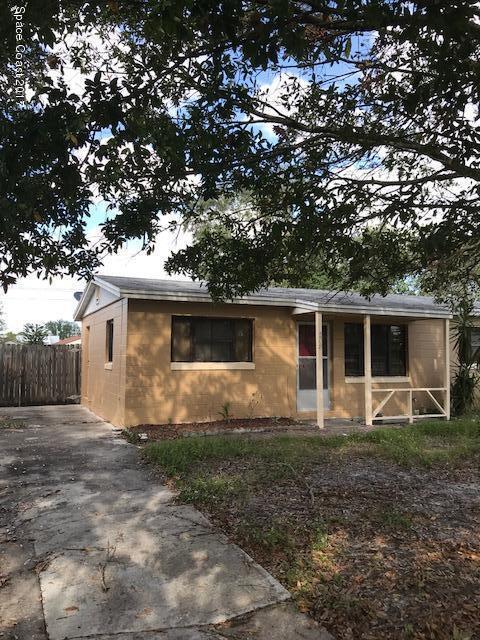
x=115 y=556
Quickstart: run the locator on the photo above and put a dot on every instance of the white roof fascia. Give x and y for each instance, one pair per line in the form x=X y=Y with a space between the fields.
x=87 y=294
x=178 y=296
x=107 y=286
x=84 y=300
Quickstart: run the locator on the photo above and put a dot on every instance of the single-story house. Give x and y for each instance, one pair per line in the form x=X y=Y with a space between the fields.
x=160 y=351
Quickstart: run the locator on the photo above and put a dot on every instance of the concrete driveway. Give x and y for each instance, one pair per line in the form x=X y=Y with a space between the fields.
x=93 y=546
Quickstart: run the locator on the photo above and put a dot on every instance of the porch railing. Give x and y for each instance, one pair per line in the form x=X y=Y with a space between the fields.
x=410 y=415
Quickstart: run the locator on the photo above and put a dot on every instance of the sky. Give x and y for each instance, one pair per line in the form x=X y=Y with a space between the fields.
x=34 y=300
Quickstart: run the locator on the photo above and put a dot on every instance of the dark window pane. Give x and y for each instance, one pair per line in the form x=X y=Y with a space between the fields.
x=306 y=340
x=325 y=373
x=181 y=351
x=243 y=340
x=379 y=333
x=397 y=350
x=389 y=348
x=307 y=374
x=109 y=341
x=475 y=344
x=211 y=340
x=202 y=330
x=354 y=361
x=202 y=339
x=222 y=330
x=202 y=352
x=221 y=341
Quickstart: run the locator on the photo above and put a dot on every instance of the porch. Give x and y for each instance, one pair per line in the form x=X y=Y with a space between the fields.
x=400 y=374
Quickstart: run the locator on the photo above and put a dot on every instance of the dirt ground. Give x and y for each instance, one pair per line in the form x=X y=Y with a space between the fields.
x=370 y=549
x=171 y=431
x=260 y=426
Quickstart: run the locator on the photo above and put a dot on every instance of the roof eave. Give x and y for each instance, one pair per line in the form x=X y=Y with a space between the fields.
x=287 y=302
x=87 y=294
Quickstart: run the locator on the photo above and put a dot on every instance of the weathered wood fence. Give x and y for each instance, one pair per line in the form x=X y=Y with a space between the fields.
x=36 y=374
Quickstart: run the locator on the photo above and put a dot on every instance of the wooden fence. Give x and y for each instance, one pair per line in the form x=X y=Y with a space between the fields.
x=35 y=374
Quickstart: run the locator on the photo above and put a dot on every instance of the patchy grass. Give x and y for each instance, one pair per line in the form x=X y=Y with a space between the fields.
x=424 y=444
x=393 y=519
x=211 y=491
x=375 y=534
x=11 y=423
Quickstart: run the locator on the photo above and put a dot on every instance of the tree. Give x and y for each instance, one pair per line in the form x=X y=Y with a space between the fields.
x=33 y=333
x=373 y=120
x=62 y=328
x=2 y=321
x=9 y=336
x=313 y=270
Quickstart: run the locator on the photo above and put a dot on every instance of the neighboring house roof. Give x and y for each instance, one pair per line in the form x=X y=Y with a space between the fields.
x=70 y=340
x=305 y=299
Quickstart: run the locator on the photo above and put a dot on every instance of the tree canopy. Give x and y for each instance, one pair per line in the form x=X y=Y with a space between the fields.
x=33 y=333
x=352 y=124
x=62 y=328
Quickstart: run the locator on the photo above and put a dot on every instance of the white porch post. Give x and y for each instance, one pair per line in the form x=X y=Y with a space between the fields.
x=319 y=365
x=447 y=369
x=368 y=369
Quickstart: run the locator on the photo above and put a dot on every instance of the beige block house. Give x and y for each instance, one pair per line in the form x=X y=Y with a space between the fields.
x=160 y=351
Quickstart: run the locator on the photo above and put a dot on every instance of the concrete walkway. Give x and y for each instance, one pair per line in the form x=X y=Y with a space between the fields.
x=92 y=546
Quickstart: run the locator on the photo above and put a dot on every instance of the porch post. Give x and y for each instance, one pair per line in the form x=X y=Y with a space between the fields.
x=368 y=369
x=447 y=368
x=319 y=365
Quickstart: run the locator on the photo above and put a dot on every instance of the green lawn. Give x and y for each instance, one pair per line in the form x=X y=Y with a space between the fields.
x=351 y=525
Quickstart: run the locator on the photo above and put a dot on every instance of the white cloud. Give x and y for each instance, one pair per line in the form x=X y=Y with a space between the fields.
x=34 y=300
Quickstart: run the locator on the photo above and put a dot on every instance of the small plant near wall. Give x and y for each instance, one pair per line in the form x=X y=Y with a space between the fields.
x=255 y=400
x=226 y=411
x=466 y=377
x=131 y=436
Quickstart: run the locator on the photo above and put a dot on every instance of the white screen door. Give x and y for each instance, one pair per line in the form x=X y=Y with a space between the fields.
x=307 y=367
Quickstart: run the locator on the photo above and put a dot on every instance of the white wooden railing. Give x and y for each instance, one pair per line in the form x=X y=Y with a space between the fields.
x=411 y=416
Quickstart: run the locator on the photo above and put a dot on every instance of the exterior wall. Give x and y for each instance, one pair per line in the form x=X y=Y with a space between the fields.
x=156 y=394
x=141 y=386
x=103 y=389
x=426 y=367
x=100 y=298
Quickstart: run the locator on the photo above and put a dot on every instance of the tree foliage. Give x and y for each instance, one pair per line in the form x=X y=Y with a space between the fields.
x=371 y=132
x=466 y=378
x=33 y=333
x=313 y=270
x=8 y=336
x=62 y=328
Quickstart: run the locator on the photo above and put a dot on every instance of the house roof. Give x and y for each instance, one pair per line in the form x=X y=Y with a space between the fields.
x=305 y=299
x=68 y=340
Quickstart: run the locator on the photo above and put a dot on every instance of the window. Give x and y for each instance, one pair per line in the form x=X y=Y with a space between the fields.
x=211 y=339
x=354 y=362
x=389 y=350
x=109 y=341
x=475 y=344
